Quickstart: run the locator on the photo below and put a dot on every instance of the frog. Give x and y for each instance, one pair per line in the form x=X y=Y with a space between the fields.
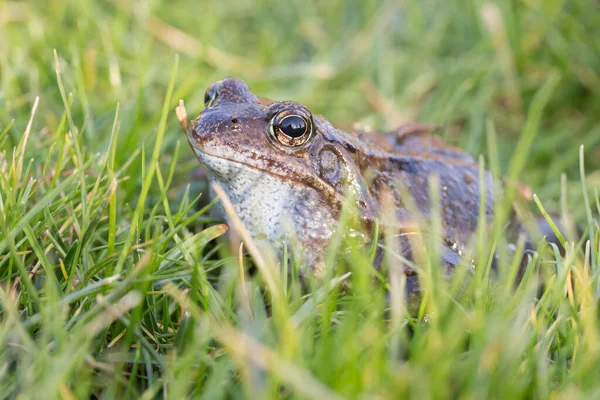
x=289 y=172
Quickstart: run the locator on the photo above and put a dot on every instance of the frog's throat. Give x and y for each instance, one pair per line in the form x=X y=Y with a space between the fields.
x=298 y=178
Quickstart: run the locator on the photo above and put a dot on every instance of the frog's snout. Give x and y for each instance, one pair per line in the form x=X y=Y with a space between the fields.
x=212 y=123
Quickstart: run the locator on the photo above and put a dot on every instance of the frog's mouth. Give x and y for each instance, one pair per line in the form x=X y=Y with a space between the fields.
x=223 y=169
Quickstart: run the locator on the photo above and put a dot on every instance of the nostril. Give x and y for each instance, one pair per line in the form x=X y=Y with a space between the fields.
x=235 y=120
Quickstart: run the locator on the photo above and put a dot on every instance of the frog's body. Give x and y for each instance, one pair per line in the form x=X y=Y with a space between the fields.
x=288 y=172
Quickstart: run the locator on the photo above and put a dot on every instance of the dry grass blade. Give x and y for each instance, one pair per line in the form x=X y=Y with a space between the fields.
x=263 y=261
x=114 y=311
x=109 y=271
x=243 y=295
x=384 y=106
x=250 y=349
x=175 y=38
x=182 y=116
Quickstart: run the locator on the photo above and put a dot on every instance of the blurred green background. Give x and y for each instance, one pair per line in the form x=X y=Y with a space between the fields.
x=470 y=65
x=459 y=63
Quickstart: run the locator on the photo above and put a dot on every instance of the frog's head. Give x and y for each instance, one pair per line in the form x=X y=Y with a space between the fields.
x=240 y=137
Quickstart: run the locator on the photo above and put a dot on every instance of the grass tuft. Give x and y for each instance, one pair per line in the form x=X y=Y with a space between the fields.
x=115 y=282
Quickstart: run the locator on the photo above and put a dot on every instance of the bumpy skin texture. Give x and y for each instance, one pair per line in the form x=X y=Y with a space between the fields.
x=282 y=192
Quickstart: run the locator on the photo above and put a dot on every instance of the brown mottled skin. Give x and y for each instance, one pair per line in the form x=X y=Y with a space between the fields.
x=289 y=193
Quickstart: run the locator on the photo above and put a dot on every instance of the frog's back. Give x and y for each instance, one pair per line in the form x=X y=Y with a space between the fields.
x=404 y=166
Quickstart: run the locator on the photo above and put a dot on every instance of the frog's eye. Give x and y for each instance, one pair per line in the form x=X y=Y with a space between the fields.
x=291 y=129
x=210 y=96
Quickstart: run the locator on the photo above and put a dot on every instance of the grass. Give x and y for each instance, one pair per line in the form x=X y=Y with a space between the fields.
x=115 y=282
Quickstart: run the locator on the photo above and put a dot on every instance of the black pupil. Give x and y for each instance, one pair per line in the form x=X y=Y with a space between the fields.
x=293 y=126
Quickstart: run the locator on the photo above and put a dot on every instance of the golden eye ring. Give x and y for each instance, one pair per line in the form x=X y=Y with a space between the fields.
x=291 y=129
